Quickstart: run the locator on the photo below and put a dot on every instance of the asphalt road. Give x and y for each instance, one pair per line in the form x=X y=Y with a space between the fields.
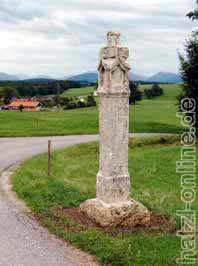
x=22 y=241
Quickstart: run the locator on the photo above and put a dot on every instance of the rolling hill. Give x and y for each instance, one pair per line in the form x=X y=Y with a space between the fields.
x=7 y=77
x=88 y=76
x=161 y=77
x=165 y=77
x=92 y=77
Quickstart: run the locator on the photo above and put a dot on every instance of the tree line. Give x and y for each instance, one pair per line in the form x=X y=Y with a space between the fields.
x=136 y=94
x=189 y=71
x=69 y=102
x=21 y=89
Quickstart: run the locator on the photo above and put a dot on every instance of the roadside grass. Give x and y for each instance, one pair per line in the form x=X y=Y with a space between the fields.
x=154 y=183
x=151 y=116
x=78 y=92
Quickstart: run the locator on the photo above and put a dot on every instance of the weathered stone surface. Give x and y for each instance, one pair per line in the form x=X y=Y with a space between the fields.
x=113 y=181
x=113 y=205
x=128 y=213
x=114 y=68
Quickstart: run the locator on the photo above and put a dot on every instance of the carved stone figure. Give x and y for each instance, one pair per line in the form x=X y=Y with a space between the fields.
x=113 y=38
x=113 y=67
x=113 y=205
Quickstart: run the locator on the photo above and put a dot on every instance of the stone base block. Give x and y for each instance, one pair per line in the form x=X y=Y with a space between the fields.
x=129 y=213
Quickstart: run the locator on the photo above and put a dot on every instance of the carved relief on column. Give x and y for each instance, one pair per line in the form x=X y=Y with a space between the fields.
x=113 y=67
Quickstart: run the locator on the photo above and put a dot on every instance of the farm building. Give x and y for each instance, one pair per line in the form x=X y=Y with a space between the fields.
x=27 y=105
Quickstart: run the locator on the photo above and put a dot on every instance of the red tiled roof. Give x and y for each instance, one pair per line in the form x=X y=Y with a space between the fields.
x=25 y=104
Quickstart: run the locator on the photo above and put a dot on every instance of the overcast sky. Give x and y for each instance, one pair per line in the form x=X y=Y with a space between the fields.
x=63 y=37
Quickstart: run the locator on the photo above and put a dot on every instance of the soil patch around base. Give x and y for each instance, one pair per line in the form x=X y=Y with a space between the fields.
x=81 y=222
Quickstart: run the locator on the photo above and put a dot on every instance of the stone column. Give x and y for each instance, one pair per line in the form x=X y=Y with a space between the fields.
x=113 y=206
x=113 y=181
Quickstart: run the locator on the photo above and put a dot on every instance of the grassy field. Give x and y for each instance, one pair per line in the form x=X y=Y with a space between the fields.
x=157 y=115
x=78 y=92
x=152 y=168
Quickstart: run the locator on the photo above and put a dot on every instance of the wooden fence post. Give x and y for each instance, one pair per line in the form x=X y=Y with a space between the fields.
x=49 y=157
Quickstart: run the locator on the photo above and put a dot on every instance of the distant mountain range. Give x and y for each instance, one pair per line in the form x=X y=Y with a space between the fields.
x=4 y=76
x=89 y=76
x=137 y=77
x=10 y=77
x=161 y=77
x=165 y=77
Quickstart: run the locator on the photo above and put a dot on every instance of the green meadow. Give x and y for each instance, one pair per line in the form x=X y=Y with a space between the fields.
x=152 y=169
x=157 y=115
x=78 y=92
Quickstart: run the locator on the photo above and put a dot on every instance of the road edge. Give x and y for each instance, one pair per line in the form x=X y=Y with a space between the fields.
x=13 y=199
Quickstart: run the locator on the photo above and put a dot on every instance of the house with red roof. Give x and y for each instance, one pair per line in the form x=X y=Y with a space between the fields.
x=27 y=105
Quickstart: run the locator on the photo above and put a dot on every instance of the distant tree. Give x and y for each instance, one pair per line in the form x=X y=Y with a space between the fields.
x=8 y=94
x=189 y=68
x=148 y=93
x=58 y=88
x=70 y=105
x=154 y=91
x=91 y=100
x=65 y=100
x=193 y=14
x=57 y=100
x=136 y=94
x=43 y=87
x=21 y=107
x=49 y=103
x=157 y=90
x=81 y=104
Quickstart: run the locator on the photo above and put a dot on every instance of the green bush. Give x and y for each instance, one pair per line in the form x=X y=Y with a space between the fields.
x=155 y=91
x=91 y=100
x=70 y=105
x=74 y=102
x=135 y=93
x=81 y=104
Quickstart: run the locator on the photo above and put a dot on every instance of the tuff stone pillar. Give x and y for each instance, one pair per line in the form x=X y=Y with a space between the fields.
x=113 y=205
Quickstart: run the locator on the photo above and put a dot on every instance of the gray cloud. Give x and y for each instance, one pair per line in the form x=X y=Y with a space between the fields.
x=63 y=36
x=18 y=11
